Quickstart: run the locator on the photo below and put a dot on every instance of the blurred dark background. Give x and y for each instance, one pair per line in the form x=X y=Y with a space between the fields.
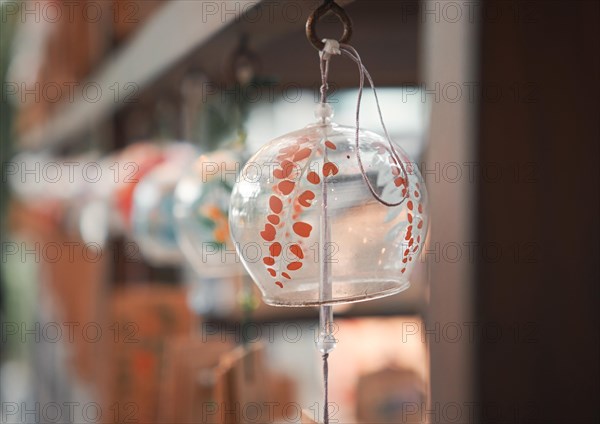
x=557 y=132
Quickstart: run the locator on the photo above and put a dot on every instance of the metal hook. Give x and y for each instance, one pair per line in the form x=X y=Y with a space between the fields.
x=243 y=56
x=311 y=23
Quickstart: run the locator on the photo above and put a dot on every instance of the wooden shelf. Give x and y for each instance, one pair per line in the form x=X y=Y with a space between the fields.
x=175 y=30
x=183 y=35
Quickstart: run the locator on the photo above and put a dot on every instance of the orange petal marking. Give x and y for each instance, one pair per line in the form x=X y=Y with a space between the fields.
x=286 y=186
x=313 y=177
x=302 y=229
x=275 y=204
x=269 y=261
x=302 y=154
x=275 y=249
x=420 y=208
x=306 y=198
x=286 y=275
x=409 y=205
x=286 y=169
x=297 y=250
x=329 y=168
x=279 y=284
x=330 y=145
x=269 y=233
x=272 y=272
x=294 y=266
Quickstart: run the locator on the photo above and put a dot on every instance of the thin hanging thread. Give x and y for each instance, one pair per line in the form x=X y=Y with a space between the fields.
x=324 y=65
x=334 y=48
x=326 y=384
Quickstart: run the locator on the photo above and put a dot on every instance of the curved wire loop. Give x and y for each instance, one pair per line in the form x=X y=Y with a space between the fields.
x=353 y=54
x=318 y=13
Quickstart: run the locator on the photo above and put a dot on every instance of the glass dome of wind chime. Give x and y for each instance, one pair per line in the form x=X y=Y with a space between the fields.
x=329 y=214
x=130 y=166
x=152 y=223
x=152 y=220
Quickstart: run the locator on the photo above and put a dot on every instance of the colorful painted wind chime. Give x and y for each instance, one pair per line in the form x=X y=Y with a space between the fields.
x=329 y=214
x=202 y=196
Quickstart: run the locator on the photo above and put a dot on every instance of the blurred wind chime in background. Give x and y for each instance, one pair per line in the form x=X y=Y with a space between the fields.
x=353 y=194
x=201 y=213
x=169 y=200
x=201 y=203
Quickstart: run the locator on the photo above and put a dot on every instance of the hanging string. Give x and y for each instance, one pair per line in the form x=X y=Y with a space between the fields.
x=324 y=73
x=325 y=314
x=326 y=384
x=331 y=48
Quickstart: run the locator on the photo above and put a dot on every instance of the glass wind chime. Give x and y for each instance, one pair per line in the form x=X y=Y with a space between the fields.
x=329 y=214
x=152 y=219
x=152 y=222
x=203 y=193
